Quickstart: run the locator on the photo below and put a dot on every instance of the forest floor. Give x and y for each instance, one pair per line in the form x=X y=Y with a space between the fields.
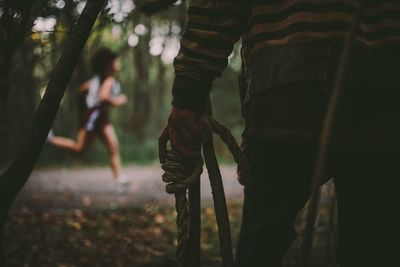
x=92 y=188
x=79 y=217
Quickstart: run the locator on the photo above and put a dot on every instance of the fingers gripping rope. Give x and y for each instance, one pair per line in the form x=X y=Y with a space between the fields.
x=179 y=176
x=180 y=173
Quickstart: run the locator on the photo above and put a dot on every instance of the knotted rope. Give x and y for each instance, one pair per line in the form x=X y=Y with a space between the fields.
x=180 y=173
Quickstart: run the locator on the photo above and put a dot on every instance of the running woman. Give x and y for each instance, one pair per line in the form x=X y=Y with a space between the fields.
x=101 y=92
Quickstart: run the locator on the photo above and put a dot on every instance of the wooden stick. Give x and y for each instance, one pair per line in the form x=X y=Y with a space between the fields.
x=221 y=210
x=325 y=143
x=194 y=225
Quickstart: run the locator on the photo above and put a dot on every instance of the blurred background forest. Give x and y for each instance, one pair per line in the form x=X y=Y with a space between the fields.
x=33 y=34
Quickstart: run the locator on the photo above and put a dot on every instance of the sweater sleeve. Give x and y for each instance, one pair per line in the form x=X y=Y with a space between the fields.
x=212 y=29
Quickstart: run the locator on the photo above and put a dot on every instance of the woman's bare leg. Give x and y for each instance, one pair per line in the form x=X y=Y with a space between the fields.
x=75 y=146
x=111 y=141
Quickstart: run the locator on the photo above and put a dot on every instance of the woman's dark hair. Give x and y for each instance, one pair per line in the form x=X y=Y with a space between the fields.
x=102 y=59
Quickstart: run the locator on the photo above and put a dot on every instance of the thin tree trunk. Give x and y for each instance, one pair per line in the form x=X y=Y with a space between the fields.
x=161 y=89
x=160 y=93
x=11 y=40
x=4 y=92
x=16 y=175
x=141 y=99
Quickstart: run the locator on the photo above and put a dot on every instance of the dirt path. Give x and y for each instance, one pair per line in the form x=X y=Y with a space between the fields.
x=94 y=188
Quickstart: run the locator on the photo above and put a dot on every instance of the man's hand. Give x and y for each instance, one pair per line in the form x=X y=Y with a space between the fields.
x=184 y=130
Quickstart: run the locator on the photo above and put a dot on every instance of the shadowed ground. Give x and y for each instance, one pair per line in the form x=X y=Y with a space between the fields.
x=79 y=217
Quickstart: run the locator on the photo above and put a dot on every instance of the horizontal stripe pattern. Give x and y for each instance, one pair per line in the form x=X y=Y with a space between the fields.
x=302 y=20
x=212 y=29
x=215 y=25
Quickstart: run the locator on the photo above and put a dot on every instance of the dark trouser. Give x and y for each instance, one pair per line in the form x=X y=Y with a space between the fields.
x=367 y=196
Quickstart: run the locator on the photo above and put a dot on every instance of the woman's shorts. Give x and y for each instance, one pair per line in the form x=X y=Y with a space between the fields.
x=94 y=120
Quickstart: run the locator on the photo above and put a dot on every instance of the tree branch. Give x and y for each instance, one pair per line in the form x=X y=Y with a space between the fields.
x=16 y=175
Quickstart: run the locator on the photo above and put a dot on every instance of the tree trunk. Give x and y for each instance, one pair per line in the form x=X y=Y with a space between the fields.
x=12 y=38
x=141 y=94
x=4 y=92
x=161 y=90
x=16 y=175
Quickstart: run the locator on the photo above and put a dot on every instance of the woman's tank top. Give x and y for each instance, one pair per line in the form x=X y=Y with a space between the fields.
x=93 y=96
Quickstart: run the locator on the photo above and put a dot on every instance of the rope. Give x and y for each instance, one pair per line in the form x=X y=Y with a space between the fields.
x=180 y=173
x=227 y=137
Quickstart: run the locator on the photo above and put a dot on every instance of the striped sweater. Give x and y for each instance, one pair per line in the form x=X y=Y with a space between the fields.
x=272 y=27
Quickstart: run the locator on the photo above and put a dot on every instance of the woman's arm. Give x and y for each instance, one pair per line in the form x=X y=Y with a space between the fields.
x=84 y=87
x=105 y=93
